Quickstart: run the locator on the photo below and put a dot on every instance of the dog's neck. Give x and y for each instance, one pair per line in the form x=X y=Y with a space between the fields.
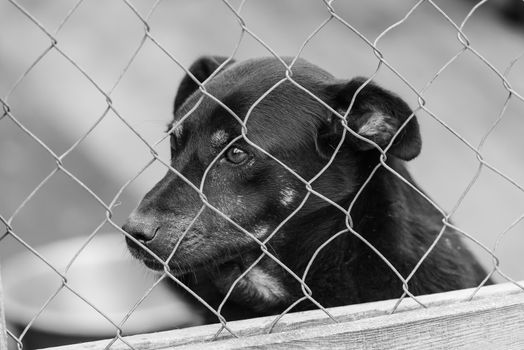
x=376 y=212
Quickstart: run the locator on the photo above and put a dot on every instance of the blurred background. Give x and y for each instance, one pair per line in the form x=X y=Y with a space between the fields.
x=59 y=105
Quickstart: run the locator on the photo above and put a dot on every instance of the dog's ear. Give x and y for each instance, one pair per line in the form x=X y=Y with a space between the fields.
x=201 y=69
x=377 y=115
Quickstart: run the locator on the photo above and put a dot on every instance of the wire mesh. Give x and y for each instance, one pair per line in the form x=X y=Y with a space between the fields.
x=246 y=31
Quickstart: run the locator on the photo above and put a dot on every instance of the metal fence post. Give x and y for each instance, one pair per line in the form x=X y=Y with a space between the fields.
x=3 y=326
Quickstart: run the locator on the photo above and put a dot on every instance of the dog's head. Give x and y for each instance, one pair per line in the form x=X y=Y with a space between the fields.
x=250 y=183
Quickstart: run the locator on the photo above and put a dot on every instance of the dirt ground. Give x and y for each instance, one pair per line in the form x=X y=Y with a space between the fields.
x=59 y=105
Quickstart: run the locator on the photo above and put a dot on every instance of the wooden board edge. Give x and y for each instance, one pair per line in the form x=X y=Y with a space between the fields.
x=495 y=323
x=300 y=320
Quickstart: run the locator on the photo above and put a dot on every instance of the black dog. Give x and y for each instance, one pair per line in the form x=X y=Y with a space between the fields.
x=257 y=192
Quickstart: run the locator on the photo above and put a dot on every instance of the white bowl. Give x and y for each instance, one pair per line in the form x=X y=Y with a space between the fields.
x=105 y=275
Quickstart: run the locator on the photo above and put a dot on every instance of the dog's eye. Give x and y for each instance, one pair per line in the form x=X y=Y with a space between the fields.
x=236 y=155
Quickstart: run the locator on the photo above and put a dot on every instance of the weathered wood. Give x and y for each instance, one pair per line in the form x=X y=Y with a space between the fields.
x=360 y=324
x=481 y=324
x=3 y=326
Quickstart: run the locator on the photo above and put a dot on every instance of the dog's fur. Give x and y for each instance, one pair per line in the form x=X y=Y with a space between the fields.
x=259 y=193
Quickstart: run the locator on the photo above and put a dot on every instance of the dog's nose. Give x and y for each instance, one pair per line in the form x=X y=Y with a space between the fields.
x=141 y=227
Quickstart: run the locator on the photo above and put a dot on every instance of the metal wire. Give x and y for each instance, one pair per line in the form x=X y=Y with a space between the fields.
x=245 y=29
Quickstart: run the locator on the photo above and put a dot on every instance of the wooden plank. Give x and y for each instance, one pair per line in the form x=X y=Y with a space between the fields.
x=301 y=320
x=480 y=324
x=3 y=326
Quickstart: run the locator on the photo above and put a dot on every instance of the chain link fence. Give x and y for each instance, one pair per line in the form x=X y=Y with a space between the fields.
x=509 y=85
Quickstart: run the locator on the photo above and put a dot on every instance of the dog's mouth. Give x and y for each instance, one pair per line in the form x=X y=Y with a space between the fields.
x=213 y=265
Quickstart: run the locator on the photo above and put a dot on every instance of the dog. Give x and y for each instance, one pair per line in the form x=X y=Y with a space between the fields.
x=265 y=216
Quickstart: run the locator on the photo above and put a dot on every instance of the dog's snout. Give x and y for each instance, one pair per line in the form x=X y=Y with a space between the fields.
x=141 y=227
